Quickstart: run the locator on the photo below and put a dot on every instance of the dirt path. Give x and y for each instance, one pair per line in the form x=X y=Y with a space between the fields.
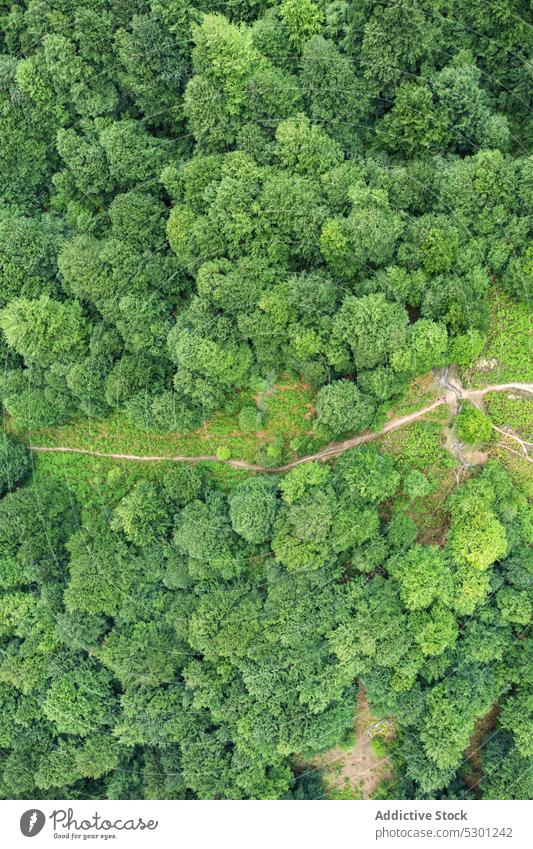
x=455 y=392
x=482 y=728
x=475 y=396
x=331 y=450
x=354 y=772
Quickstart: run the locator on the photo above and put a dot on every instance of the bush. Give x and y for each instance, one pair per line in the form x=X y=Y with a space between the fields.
x=348 y=741
x=473 y=426
x=379 y=747
x=416 y=484
x=250 y=419
x=401 y=531
x=341 y=408
x=14 y=463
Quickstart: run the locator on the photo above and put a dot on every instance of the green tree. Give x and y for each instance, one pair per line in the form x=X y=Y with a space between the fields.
x=14 y=463
x=367 y=237
x=423 y=575
x=253 y=507
x=416 y=125
x=466 y=104
x=306 y=149
x=44 y=330
x=80 y=702
x=224 y=59
x=368 y=474
x=372 y=327
x=143 y=514
x=153 y=60
x=473 y=426
x=342 y=408
x=426 y=348
x=143 y=653
x=303 y=19
x=416 y=485
x=28 y=256
x=336 y=97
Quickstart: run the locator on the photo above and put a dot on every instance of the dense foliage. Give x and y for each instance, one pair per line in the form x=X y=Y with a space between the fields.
x=197 y=198
x=184 y=643
x=193 y=201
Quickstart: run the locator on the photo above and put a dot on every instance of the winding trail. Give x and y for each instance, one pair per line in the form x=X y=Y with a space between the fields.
x=455 y=392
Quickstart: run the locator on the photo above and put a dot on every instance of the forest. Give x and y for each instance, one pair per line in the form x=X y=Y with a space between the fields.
x=282 y=251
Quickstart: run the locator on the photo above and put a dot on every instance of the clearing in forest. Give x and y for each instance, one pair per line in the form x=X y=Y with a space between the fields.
x=353 y=772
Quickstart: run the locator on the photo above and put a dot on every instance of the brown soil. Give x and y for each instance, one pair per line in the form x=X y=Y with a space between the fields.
x=483 y=727
x=475 y=457
x=357 y=768
x=334 y=449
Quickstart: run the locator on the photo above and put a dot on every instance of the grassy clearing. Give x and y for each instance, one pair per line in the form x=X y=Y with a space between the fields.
x=508 y=353
x=285 y=414
x=422 y=391
x=285 y=429
x=98 y=482
x=353 y=770
x=419 y=446
x=518 y=468
x=93 y=481
x=516 y=413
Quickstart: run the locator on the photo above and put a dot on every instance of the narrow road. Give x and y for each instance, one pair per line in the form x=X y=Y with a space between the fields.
x=455 y=392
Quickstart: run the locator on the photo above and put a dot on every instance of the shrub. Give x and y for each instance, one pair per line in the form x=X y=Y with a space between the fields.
x=416 y=484
x=341 y=408
x=250 y=419
x=473 y=426
x=14 y=463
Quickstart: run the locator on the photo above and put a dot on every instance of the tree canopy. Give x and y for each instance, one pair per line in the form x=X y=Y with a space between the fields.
x=201 y=202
